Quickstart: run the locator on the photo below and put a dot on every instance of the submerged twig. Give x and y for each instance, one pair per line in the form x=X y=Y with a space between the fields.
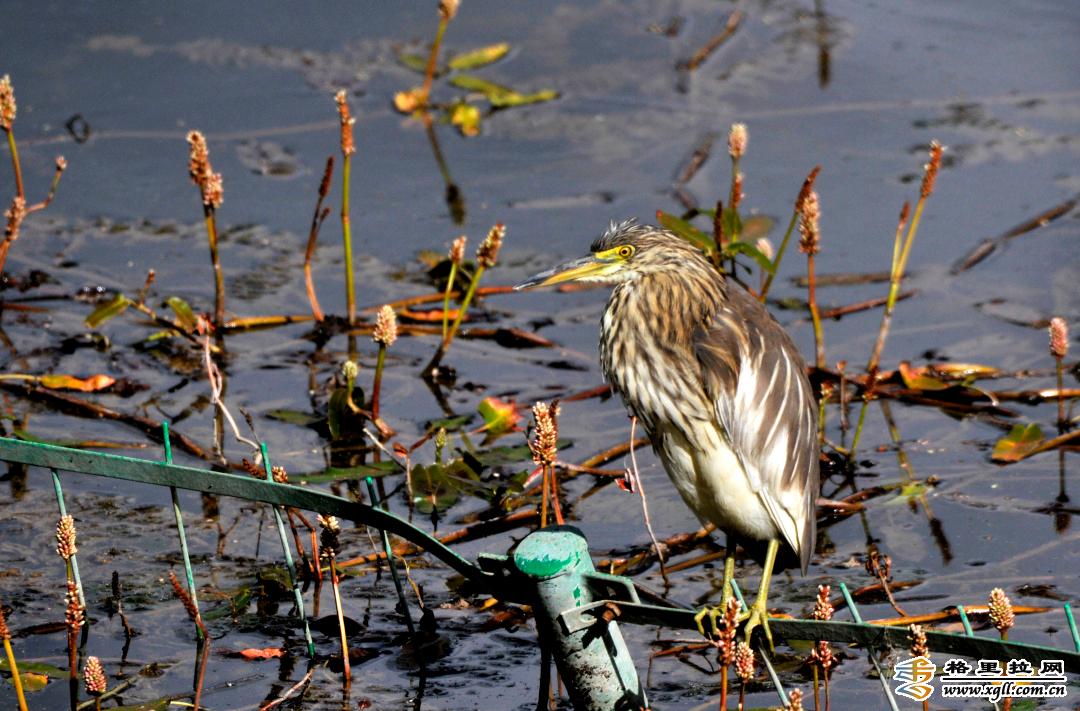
x=988 y=246
x=699 y=57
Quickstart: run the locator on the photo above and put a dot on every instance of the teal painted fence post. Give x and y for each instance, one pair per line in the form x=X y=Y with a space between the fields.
x=297 y=595
x=180 y=527
x=59 y=490
x=593 y=661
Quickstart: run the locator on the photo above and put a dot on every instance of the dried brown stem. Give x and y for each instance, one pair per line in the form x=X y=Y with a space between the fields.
x=317 y=220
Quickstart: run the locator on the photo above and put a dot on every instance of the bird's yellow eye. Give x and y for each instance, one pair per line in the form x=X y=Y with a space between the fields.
x=625 y=251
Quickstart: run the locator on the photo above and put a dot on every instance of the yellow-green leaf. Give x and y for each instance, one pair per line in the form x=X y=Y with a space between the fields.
x=499 y=416
x=108 y=310
x=500 y=95
x=413 y=61
x=479 y=57
x=184 y=315
x=32 y=681
x=750 y=251
x=466 y=117
x=917 y=379
x=1019 y=443
x=685 y=230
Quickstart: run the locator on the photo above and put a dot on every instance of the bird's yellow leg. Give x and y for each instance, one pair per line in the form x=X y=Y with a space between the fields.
x=758 y=615
x=715 y=613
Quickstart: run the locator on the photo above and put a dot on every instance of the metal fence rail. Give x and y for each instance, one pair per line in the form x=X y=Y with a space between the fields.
x=577 y=608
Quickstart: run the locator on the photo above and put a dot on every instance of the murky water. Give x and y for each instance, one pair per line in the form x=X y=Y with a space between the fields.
x=859 y=88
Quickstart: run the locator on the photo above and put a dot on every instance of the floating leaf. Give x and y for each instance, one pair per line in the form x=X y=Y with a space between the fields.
x=413 y=61
x=466 y=117
x=1021 y=441
x=41 y=668
x=501 y=456
x=479 y=57
x=295 y=417
x=408 y=101
x=427 y=316
x=500 y=95
x=184 y=315
x=439 y=486
x=499 y=416
x=32 y=681
x=108 y=310
x=360 y=471
x=917 y=379
x=69 y=382
x=451 y=424
x=964 y=370
x=685 y=230
x=266 y=653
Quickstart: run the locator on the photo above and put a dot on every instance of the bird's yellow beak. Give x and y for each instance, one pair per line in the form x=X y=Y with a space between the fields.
x=592 y=265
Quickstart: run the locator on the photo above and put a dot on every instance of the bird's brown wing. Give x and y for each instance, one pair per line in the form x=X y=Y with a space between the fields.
x=757 y=381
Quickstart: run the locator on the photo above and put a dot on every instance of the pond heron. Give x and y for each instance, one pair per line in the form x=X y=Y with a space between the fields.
x=718 y=385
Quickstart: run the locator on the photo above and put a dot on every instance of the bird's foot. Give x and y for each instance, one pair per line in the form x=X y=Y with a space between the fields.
x=713 y=615
x=757 y=616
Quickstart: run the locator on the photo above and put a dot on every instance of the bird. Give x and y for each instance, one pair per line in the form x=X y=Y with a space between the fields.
x=720 y=388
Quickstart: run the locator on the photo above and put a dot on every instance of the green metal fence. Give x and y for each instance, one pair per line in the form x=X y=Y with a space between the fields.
x=577 y=609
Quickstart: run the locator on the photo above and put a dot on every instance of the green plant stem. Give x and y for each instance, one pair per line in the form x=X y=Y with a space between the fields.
x=376 y=386
x=1060 y=394
x=346 y=235
x=446 y=298
x=449 y=338
x=433 y=58
x=219 y=279
x=15 y=679
x=15 y=165
x=896 y=273
x=779 y=255
x=815 y=315
x=867 y=397
x=817 y=683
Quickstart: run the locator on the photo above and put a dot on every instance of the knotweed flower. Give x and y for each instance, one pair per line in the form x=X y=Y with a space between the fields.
x=488 y=251
x=737 y=139
x=8 y=109
x=544 y=445
x=386 y=330
x=1059 y=337
x=918 y=641
x=1001 y=611
x=94 y=676
x=809 y=233
x=65 y=537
